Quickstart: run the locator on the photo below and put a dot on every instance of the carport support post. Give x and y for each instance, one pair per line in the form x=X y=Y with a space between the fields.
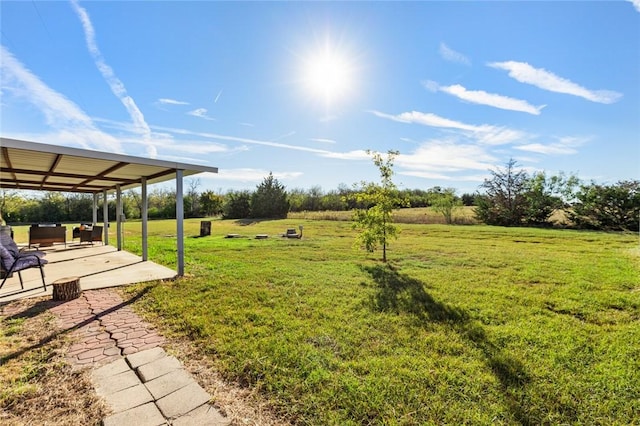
x=180 y=221
x=119 y=217
x=105 y=217
x=144 y=213
x=95 y=209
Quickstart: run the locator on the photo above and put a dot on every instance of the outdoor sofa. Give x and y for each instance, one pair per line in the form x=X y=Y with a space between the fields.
x=46 y=235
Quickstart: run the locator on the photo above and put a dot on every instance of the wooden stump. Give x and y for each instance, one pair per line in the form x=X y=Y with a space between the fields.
x=66 y=288
x=205 y=228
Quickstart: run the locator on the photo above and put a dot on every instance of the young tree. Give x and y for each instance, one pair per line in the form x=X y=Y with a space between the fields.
x=270 y=199
x=504 y=202
x=376 y=222
x=446 y=203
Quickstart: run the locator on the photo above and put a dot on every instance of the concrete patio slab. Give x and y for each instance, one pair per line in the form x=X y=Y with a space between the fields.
x=97 y=266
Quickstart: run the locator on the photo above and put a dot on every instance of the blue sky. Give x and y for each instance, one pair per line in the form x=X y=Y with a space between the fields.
x=303 y=89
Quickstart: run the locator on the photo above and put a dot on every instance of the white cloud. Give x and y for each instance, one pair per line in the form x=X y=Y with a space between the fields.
x=452 y=56
x=563 y=146
x=167 y=101
x=501 y=136
x=547 y=149
x=69 y=124
x=323 y=140
x=438 y=156
x=427 y=119
x=201 y=113
x=286 y=135
x=431 y=85
x=254 y=175
x=491 y=99
x=485 y=133
x=539 y=77
x=359 y=154
x=239 y=140
x=636 y=4
x=117 y=87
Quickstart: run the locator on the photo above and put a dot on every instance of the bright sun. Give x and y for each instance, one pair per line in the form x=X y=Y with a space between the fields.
x=327 y=75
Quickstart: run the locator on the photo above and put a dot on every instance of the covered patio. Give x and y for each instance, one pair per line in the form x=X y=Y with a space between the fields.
x=97 y=266
x=28 y=165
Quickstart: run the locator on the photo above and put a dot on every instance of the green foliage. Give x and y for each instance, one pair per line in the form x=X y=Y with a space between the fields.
x=504 y=202
x=211 y=203
x=270 y=199
x=611 y=207
x=237 y=205
x=446 y=203
x=376 y=221
x=545 y=195
x=513 y=198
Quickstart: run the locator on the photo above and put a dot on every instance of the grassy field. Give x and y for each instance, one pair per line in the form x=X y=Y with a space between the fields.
x=465 y=325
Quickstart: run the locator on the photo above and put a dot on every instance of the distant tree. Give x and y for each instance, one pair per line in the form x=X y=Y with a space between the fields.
x=376 y=222
x=546 y=194
x=134 y=199
x=237 y=205
x=504 y=202
x=313 y=199
x=12 y=206
x=53 y=208
x=332 y=200
x=211 y=203
x=191 y=199
x=270 y=199
x=608 y=207
x=445 y=203
x=78 y=207
x=296 y=197
x=468 y=199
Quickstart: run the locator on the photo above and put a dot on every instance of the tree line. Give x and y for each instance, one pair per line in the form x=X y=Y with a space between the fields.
x=509 y=197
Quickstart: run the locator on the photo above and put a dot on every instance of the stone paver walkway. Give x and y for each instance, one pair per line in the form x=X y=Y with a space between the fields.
x=106 y=327
x=140 y=382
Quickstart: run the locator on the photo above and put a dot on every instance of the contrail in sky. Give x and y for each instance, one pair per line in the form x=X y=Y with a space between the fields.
x=117 y=87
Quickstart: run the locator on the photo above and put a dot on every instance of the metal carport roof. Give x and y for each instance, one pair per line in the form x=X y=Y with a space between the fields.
x=36 y=166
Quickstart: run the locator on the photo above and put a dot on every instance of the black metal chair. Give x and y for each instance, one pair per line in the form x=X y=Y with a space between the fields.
x=91 y=235
x=12 y=261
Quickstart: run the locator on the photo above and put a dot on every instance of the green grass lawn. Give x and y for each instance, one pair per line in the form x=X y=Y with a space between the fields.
x=466 y=324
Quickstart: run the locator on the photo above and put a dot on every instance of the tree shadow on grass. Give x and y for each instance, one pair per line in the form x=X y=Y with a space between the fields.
x=401 y=293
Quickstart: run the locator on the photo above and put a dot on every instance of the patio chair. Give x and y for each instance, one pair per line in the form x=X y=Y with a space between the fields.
x=15 y=261
x=91 y=235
